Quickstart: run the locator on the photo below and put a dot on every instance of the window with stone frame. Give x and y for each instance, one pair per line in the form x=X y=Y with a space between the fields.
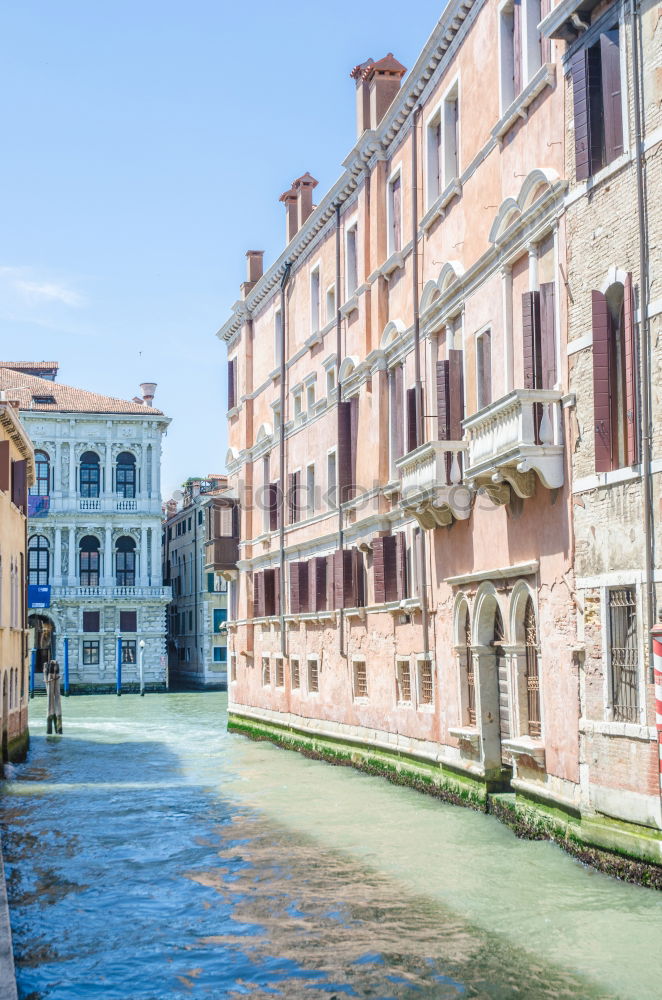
x=403 y=682
x=623 y=654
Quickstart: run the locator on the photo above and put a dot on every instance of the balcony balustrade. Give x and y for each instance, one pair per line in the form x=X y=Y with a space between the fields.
x=112 y=592
x=512 y=441
x=431 y=487
x=109 y=504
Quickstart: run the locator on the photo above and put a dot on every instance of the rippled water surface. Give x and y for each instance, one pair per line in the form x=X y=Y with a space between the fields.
x=151 y=855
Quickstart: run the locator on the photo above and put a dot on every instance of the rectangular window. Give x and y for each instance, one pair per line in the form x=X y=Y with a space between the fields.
x=351 y=262
x=395 y=215
x=331 y=480
x=128 y=621
x=451 y=137
x=598 y=109
x=425 y=689
x=315 y=300
x=220 y=654
x=210 y=583
x=296 y=673
x=403 y=682
x=330 y=380
x=278 y=338
x=232 y=384
x=89 y=569
x=266 y=671
x=310 y=489
x=280 y=672
x=313 y=675
x=623 y=655
x=510 y=52
x=91 y=621
x=360 y=679
x=434 y=154
x=90 y=652
x=484 y=369
x=128 y=650
x=330 y=303
x=297 y=396
x=310 y=396
x=220 y=617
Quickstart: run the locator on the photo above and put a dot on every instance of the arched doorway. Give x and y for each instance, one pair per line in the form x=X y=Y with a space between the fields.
x=42 y=640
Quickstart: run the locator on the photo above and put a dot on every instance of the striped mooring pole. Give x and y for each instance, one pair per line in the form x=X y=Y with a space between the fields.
x=656 y=633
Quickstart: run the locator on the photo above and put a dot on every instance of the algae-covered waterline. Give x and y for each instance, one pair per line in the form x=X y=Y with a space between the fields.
x=150 y=855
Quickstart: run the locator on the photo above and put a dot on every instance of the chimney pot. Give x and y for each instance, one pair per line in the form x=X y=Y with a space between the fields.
x=148 y=389
x=255 y=265
x=377 y=83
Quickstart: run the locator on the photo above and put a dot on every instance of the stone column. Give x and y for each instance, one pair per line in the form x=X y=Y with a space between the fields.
x=108 y=466
x=487 y=708
x=143 y=472
x=72 y=574
x=144 y=564
x=519 y=715
x=57 y=467
x=72 y=469
x=156 y=453
x=157 y=578
x=57 y=558
x=108 y=557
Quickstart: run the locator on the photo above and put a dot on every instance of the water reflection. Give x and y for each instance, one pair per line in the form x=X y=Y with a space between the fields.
x=150 y=855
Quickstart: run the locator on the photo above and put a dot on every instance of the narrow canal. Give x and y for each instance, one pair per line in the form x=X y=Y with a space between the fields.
x=150 y=855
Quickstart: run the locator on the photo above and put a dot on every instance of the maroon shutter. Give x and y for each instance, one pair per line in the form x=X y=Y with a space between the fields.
x=344 y=451
x=292 y=497
x=128 y=621
x=19 y=485
x=456 y=394
x=390 y=569
x=611 y=94
x=232 y=387
x=443 y=401
x=304 y=602
x=312 y=585
x=276 y=590
x=548 y=335
x=378 y=569
x=602 y=382
x=344 y=591
x=331 y=582
x=5 y=466
x=545 y=43
x=320 y=565
x=358 y=579
x=294 y=588
x=631 y=394
x=412 y=440
x=517 y=47
x=595 y=109
x=485 y=347
x=272 y=501
x=531 y=339
x=396 y=204
x=579 y=69
x=354 y=435
x=338 y=596
x=401 y=565
x=258 y=595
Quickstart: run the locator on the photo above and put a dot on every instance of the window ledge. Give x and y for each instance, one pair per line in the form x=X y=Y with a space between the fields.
x=527 y=748
x=452 y=190
x=359 y=613
x=545 y=77
x=468 y=735
x=350 y=306
x=392 y=488
x=394 y=263
x=599 y=177
x=275 y=374
x=234 y=412
x=314 y=339
x=630 y=730
x=626 y=475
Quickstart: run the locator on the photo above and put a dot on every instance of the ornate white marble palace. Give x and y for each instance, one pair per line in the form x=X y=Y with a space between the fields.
x=94 y=528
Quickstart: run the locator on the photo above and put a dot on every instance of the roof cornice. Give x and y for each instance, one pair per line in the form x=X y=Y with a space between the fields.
x=371 y=145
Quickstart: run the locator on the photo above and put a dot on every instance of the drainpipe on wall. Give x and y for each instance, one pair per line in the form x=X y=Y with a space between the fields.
x=281 y=454
x=644 y=330
x=341 y=619
x=420 y=424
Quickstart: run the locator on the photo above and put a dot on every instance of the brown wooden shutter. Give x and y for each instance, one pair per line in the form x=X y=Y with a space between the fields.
x=517 y=47
x=378 y=569
x=396 y=204
x=443 y=401
x=390 y=569
x=304 y=601
x=258 y=595
x=318 y=573
x=631 y=380
x=602 y=334
x=344 y=591
x=579 y=70
x=401 y=566
x=611 y=94
x=294 y=588
x=344 y=451
x=548 y=335
x=331 y=581
x=456 y=394
x=276 y=590
x=232 y=385
x=531 y=339
x=19 y=485
x=354 y=434
x=412 y=438
x=272 y=501
x=358 y=579
x=5 y=466
x=545 y=43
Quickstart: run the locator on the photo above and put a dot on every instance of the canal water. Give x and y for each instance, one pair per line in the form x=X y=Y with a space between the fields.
x=152 y=856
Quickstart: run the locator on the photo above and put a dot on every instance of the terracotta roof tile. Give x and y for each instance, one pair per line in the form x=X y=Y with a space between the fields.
x=67 y=398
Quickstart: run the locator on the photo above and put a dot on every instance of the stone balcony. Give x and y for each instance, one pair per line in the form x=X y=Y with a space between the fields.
x=431 y=486
x=145 y=592
x=514 y=440
x=108 y=504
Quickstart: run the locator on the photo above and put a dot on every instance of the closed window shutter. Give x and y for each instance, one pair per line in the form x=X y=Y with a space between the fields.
x=91 y=622
x=456 y=394
x=390 y=569
x=354 y=437
x=294 y=588
x=579 y=70
x=226 y=522
x=443 y=401
x=545 y=43
x=378 y=569
x=276 y=594
x=602 y=333
x=611 y=94
x=548 y=335
x=398 y=429
x=344 y=451
x=631 y=381
x=292 y=497
x=232 y=388
x=401 y=565
x=343 y=562
x=412 y=437
x=517 y=47
x=320 y=567
x=358 y=579
x=531 y=339
x=5 y=466
x=257 y=595
x=595 y=108
x=397 y=213
x=19 y=485
x=331 y=582
x=272 y=500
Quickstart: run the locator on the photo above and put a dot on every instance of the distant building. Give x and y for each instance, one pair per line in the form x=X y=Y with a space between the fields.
x=16 y=476
x=94 y=553
x=199 y=539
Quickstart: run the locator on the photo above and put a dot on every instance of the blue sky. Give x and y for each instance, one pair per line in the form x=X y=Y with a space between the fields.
x=145 y=145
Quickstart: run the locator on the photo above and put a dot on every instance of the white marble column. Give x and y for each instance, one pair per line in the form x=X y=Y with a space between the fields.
x=157 y=578
x=108 y=466
x=156 y=452
x=71 y=571
x=108 y=557
x=143 y=578
x=57 y=558
x=57 y=468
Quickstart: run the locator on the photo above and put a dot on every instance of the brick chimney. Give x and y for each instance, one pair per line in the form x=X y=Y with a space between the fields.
x=377 y=83
x=254 y=270
x=290 y=200
x=298 y=204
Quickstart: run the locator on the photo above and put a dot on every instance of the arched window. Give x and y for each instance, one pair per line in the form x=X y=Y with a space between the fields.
x=125 y=475
x=615 y=378
x=42 y=484
x=89 y=474
x=532 y=674
x=125 y=562
x=501 y=663
x=38 y=558
x=89 y=561
x=469 y=670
